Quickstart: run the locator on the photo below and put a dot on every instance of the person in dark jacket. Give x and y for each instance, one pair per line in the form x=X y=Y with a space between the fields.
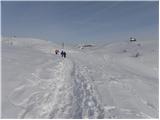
x=64 y=54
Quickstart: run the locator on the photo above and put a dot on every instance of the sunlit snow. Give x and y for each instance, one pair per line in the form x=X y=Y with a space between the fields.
x=116 y=80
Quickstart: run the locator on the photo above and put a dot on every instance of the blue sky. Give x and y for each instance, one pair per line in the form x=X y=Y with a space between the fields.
x=80 y=21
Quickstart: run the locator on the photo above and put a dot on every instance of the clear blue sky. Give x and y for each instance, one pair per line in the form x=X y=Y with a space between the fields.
x=80 y=21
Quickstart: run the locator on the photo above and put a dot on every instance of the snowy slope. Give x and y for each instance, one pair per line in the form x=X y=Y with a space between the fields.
x=130 y=83
x=38 y=44
x=104 y=82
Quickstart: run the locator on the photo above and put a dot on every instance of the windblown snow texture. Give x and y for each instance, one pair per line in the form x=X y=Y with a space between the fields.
x=118 y=80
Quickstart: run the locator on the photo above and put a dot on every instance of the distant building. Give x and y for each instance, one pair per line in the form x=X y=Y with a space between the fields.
x=132 y=39
x=85 y=46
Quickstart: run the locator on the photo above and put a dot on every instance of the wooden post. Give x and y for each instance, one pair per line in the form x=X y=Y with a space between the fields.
x=63 y=45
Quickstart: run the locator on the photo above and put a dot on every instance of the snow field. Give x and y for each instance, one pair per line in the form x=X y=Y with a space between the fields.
x=47 y=94
x=104 y=82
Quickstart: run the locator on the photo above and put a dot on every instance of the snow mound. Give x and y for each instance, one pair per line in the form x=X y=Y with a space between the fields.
x=130 y=48
x=38 y=44
x=138 y=55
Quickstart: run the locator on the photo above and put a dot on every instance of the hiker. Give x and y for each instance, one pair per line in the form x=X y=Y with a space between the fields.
x=64 y=54
x=56 y=52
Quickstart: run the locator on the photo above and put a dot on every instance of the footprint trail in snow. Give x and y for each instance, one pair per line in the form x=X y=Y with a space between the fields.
x=57 y=89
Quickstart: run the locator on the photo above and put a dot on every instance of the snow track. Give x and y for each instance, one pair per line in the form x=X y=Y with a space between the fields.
x=58 y=89
x=45 y=97
x=87 y=104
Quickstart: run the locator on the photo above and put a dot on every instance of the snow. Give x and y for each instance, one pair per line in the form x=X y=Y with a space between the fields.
x=107 y=81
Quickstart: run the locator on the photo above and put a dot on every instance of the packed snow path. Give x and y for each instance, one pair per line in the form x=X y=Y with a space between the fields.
x=87 y=103
x=57 y=89
x=52 y=87
x=52 y=98
x=87 y=84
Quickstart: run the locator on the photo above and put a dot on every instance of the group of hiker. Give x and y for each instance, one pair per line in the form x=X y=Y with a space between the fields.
x=63 y=53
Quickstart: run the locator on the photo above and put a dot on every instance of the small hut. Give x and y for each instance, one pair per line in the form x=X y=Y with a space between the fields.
x=132 y=39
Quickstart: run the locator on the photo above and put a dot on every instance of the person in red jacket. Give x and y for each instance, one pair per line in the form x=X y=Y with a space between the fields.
x=56 y=52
